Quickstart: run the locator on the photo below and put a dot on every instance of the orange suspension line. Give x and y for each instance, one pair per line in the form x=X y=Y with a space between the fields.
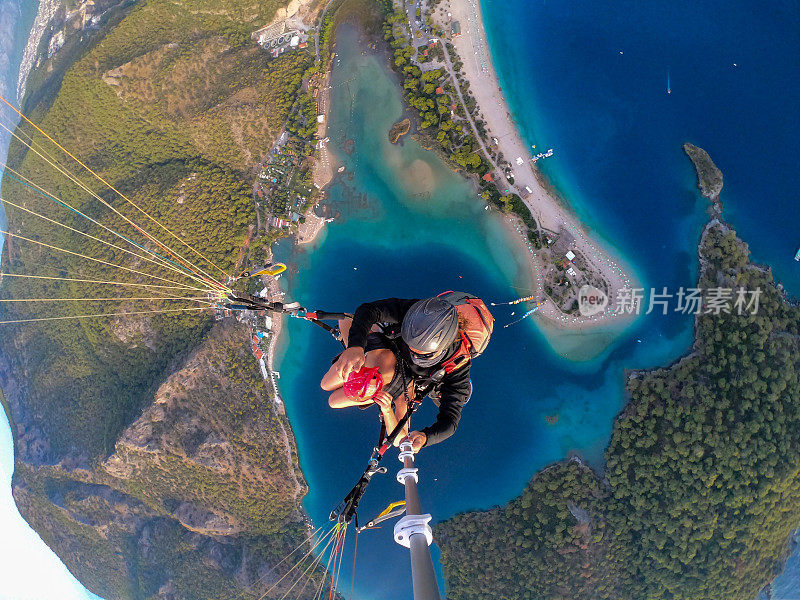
x=100 y=281
x=111 y=299
x=138 y=312
x=26 y=181
x=102 y=241
x=307 y=554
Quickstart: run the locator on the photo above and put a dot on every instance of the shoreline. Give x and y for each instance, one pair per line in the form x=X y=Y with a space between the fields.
x=45 y=13
x=543 y=202
x=323 y=164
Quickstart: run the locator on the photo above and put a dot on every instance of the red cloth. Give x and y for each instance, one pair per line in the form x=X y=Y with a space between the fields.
x=363 y=384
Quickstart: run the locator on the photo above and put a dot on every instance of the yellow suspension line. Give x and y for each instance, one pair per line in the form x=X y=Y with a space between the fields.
x=316 y=562
x=100 y=281
x=341 y=556
x=288 y=556
x=20 y=237
x=102 y=241
x=328 y=563
x=304 y=573
x=285 y=575
x=61 y=169
x=122 y=314
x=12 y=107
x=325 y=574
x=158 y=259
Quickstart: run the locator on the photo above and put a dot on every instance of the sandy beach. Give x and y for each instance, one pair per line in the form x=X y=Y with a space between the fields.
x=473 y=49
x=307 y=232
x=323 y=164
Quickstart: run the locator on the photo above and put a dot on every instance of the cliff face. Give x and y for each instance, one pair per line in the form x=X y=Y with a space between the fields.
x=200 y=494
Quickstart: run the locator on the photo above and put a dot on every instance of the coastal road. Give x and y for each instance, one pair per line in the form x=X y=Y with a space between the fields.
x=449 y=66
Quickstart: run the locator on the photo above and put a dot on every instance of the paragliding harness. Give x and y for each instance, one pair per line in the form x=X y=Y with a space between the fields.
x=236 y=301
x=475 y=328
x=476 y=324
x=346 y=510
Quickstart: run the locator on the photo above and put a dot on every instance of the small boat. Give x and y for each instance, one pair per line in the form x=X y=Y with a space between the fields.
x=797 y=256
x=669 y=88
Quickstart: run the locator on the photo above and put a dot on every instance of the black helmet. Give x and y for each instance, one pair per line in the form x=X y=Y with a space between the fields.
x=429 y=328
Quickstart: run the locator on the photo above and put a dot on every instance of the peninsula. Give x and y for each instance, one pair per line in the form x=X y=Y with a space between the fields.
x=441 y=53
x=674 y=515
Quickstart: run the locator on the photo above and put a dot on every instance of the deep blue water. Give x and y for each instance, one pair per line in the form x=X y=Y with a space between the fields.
x=618 y=134
x=619 y=162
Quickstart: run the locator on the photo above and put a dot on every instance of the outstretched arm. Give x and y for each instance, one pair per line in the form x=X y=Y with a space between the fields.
x=455 y=392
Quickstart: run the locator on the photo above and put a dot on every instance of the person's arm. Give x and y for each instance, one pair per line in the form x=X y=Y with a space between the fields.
x=390 y=310
x=455 y=392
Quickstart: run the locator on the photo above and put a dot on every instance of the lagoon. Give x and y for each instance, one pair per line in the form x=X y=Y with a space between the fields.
x=410 y=228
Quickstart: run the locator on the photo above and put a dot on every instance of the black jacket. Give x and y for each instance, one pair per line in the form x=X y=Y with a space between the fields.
x=455 y=388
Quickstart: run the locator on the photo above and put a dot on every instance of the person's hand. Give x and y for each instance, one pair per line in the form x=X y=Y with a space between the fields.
x=384 y=400
x=349 y=361
x=417 y=439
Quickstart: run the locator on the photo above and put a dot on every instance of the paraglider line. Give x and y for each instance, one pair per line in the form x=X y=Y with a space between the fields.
x=12 y=107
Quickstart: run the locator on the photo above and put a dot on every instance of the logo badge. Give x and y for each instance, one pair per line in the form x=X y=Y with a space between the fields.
x=591 y=300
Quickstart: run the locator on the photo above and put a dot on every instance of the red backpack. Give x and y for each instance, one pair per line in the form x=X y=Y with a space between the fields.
x=475 y=329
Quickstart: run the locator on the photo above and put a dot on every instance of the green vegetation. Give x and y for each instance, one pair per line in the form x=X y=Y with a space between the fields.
x=709 y=177
x=531 y=548
x=442 y=123
x=173 y=114
x=214 y=439
x=367 y=13
x=702 y=484
x=433 y=97
x=399 y=129
x=222 y=390
x=184 y=462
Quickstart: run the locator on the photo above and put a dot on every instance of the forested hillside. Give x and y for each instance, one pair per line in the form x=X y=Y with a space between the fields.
x=702 y=482
x=149 y=454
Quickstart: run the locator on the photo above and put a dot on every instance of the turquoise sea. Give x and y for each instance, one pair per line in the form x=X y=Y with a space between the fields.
x=589 y=78
x=409 y=227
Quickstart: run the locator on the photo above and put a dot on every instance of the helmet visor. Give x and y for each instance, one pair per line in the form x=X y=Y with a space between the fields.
x=425 y=359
